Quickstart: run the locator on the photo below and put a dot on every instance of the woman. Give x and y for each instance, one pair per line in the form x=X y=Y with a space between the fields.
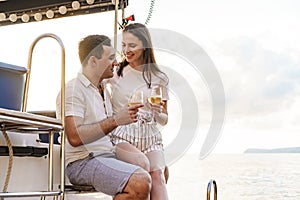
x=141 y=144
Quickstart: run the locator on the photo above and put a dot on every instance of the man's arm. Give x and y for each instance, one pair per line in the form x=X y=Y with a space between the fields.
x=79 y=133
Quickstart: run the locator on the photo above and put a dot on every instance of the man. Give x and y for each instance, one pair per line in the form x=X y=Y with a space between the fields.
x=90 y=156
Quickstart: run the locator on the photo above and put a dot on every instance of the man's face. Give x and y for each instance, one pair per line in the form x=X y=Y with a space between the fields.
x=106 y=62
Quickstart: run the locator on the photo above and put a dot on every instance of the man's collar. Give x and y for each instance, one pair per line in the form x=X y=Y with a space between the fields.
x=85 y=81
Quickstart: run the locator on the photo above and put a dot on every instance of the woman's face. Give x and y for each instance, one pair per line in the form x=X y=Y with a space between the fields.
x=132 y=48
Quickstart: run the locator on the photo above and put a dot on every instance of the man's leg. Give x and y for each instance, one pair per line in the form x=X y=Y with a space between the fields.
x=111 y=176
x=138 y=187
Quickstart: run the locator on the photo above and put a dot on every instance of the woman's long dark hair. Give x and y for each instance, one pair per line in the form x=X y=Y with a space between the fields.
x=150 y=67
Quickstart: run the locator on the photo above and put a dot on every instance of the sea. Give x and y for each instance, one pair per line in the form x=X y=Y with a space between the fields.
x=238 y=176
x=254 y=176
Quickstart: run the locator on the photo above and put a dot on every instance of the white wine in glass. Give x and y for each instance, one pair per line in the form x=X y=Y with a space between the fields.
x=136 y=98
x=155 y=95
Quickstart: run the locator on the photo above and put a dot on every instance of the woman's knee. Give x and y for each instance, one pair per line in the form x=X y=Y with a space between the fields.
x=131 y=154
x=144 y=163
x=158 y=177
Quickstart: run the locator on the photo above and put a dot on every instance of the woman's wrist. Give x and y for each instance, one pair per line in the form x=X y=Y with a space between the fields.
x=161 y=118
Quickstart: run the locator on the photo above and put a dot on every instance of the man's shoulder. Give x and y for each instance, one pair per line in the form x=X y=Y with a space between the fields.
x=70 y=82
x=75 y=81
x=74 y=87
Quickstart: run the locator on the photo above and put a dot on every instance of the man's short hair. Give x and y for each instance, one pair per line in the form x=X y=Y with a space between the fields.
x=92 y=45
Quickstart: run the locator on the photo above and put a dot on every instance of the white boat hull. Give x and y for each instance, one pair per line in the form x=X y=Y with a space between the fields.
x=30 y=174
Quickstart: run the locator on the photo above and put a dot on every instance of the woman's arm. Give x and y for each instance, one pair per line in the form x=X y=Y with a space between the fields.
x=161 y=112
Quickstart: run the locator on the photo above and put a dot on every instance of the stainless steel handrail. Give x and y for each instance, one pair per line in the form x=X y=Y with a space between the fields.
x=116 y=24
x=25 y=98
x=19 y=122
x=209 y=186
x=29 y=194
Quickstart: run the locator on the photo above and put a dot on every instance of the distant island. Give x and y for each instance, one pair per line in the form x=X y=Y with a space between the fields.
x=277 y=150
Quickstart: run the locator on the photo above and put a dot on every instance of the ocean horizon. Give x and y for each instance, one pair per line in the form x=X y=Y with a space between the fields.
x=238 y=176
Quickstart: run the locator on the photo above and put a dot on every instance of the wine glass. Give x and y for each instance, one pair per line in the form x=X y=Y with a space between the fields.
x=137 y=98
x=155 y=98
x=155 y=95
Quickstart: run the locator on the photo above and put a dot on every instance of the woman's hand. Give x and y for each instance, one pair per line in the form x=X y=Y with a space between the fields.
x=160 y=113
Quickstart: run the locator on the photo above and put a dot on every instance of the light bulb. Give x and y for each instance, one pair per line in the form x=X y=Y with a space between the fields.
x=25 y=18
x=2 y=16
x=49 y=14
x=90 y=1
x=38 y=16
x=62 y=10
x=75 y=5
x=13 y=17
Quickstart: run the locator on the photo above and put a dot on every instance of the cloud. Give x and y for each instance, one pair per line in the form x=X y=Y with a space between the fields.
x=257 y=80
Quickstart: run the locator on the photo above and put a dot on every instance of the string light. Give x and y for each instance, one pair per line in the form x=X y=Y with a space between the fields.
x=25 y=18
x=75 y=5
x=13 y=17
x=62 y=10
x=39 y=13
x=38 y=16
x=90 y=2
x=2 y=16
x=50 y=14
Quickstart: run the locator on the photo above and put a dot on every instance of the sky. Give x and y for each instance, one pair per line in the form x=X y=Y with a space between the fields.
x=253 y=45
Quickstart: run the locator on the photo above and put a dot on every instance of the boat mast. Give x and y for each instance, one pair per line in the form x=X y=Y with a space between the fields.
x=116 y=24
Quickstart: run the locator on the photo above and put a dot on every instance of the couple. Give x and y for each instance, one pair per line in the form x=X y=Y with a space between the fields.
x=98 y=132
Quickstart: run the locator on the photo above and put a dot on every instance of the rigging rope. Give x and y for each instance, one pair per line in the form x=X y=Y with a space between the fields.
x=150 y=12
x=10 y=161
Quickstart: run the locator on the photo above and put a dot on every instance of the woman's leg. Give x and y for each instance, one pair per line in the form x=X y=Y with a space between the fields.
x=129 y=153
x=166 y=174
x=157 y=166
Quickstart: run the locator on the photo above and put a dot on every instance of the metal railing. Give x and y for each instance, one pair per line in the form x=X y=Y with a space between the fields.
x=209 y=186
x=24 y=106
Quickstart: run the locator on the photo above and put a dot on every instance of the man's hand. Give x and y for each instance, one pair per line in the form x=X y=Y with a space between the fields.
x=127 y=115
